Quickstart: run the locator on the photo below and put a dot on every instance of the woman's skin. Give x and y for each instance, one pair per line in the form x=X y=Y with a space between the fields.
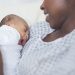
x=61 y=16
x=1 y=65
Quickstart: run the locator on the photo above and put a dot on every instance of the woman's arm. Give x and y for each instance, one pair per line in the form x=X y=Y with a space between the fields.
x=1 y=65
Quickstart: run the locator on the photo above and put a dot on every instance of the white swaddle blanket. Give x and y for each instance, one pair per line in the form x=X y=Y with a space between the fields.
x=10 y=49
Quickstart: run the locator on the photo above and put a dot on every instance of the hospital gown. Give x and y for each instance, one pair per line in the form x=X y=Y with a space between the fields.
x=47 y=58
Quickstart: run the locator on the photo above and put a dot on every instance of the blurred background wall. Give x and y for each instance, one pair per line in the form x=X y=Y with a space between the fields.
x=28 y=9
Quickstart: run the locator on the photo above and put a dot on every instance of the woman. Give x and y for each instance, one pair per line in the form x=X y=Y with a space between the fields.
x=51 y=51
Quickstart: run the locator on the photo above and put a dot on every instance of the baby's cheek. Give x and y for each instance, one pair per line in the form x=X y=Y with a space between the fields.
x=24 y=39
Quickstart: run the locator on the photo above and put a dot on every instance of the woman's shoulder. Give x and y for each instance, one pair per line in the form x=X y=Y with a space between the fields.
x=40 y=26
x=69 y=39
x=40 y=29
x=72 y=36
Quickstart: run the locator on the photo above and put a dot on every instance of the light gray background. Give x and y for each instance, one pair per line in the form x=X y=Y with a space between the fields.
x=28 y=9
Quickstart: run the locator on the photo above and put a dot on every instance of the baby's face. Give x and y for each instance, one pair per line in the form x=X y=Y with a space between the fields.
x=24 y=33
x=23 y=29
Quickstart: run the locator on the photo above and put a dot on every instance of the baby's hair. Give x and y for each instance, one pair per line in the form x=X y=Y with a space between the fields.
x=10 y=17
x=6 y=19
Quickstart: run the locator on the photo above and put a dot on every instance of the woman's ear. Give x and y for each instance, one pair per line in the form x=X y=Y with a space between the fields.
x=1 y=64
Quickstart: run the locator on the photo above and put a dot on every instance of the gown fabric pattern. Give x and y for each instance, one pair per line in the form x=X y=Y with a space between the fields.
x=47 y=58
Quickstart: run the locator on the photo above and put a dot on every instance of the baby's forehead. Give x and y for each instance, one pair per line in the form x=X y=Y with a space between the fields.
x=19 y=20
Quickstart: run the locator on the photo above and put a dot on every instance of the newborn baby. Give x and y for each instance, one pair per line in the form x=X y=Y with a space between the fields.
x=13 y=35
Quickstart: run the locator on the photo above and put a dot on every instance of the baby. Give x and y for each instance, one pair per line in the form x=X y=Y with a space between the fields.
x=19 y=24
x=13 y=35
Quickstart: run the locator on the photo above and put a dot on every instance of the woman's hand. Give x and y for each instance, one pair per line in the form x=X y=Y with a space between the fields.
x=1 y=65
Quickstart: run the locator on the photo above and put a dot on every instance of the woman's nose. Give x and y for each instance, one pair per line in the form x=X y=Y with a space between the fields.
x=42 y=6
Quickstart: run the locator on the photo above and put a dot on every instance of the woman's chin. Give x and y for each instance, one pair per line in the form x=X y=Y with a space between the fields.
x=47 y=18
x=50 y=23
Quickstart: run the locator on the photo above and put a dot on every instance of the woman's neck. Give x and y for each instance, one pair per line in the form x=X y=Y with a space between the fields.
x=68 y=26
